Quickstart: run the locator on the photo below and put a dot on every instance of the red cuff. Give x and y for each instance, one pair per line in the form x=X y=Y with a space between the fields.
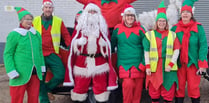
x=142 y=67
x=171 y=64
x=203 y=64
x=148 y=66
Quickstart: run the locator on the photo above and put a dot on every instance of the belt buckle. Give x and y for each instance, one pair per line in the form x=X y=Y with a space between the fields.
x=92 y=55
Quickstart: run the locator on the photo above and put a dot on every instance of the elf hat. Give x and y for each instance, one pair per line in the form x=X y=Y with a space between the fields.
x=161 y=12
x=188 y=5
x=128 y=8
x=47 y=2
x=21 y=12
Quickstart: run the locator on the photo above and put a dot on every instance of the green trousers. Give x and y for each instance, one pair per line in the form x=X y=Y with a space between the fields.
x=54 y=63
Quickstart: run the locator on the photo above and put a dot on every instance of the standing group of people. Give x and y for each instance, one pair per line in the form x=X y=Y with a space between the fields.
x=167 y=59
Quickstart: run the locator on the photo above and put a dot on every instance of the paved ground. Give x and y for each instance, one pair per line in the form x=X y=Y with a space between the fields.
x=5 y=98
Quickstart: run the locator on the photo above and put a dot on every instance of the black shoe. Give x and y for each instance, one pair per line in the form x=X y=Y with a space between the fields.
x=179 y=100
x=195 y=100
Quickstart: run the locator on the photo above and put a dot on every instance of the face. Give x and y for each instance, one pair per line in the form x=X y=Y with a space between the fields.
x=186 y=15
x=27 y=21
x=161 y=23
x=129 y=18
x=92 y=11
x=47 y=10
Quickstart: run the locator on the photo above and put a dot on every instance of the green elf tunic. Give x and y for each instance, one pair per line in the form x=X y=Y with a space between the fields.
x=129 y=49
x=160 y=77
x=23 y=53
x=197 y=45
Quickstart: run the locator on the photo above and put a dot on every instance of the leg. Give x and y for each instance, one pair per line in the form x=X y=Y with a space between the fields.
x=79 y=93
x=128 y=90
x=195 y=100
x=33 y=89
x=154 y=94
x=168 y=95
x=138 y=90
x=100 y=87
x=182 y=77
x=43 y=97
x=58 y=70
x=193 y=82
x=17 y=93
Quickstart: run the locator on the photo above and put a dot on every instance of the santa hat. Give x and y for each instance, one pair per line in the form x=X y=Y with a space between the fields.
x=188 y=5
x=161 y=12
x=47 y=2
x=21 y=12
x=128 y=8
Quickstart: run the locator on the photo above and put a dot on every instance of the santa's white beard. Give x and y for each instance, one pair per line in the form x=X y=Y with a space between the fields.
x=92 y=25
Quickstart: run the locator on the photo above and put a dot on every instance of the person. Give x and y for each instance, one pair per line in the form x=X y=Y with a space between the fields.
x=23 y=59
x=161 y=52
x=52 y=30
x=90 y=57
x=111 y=10
x=193 y=55
x=127 y=37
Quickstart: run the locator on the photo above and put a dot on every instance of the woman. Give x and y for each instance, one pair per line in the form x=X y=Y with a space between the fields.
x=24 y=60
x=127 y=37
x=161 y=53
x=193 y=56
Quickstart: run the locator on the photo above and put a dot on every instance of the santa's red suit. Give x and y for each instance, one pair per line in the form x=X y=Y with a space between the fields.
x=90 y=60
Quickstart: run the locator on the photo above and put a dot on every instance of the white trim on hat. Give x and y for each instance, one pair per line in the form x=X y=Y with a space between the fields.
x=130 y=9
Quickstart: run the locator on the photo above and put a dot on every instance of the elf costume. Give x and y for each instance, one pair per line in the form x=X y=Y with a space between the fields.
x=111 y=9
x=52 y=30
x=24 y=61
x=193 y=55
x=130 y=62
x=89 y=60
x=161 y=50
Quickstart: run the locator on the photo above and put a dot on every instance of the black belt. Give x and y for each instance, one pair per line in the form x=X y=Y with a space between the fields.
x=92 y=55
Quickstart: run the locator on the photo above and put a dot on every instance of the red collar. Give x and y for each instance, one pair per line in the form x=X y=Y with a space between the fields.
x=193 y=28
x=134 y=29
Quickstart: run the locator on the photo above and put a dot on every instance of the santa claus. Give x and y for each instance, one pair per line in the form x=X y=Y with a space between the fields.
x=89 y=60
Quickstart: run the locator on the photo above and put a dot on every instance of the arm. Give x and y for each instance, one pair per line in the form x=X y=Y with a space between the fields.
x=146 y=46
x=203 y=48
x=9 y=52
x=65 y=34
x=84 y=2
x=114 y=40
x=43 y=67
x=130 y=1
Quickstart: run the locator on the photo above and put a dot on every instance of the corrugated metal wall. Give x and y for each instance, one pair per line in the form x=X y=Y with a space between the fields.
x=201 y=10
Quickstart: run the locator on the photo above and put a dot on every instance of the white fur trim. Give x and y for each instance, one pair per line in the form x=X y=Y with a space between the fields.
x=47 y=3
x=82 y=41
x=130 y=9
x=112 y=87
x=68 y=84
x=43 y=68
x=102 y=97
x=79 y=71
x=102 y=42
x=78 y=97
x=13 y=74
x=23 y=32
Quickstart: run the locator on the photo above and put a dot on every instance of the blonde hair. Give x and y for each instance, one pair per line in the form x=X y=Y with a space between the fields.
x=156 y=26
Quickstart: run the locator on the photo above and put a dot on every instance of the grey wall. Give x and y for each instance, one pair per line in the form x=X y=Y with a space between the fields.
x=1 y=52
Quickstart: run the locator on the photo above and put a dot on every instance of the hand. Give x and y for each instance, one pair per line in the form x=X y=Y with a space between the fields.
x=82 y=41
x=200 y=71
x=148 y=71
x=16 y=77
x=168 y=68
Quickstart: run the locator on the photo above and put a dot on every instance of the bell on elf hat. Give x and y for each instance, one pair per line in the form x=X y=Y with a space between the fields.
x=21 y=12
x=161 y=12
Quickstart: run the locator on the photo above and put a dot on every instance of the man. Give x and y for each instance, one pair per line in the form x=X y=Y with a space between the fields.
x=90 y=57
x=52 y=30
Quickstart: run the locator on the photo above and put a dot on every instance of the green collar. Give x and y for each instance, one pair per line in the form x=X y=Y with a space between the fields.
x=108 y=1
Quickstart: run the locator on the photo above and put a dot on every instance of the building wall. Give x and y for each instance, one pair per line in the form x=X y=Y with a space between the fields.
x=67 y=9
